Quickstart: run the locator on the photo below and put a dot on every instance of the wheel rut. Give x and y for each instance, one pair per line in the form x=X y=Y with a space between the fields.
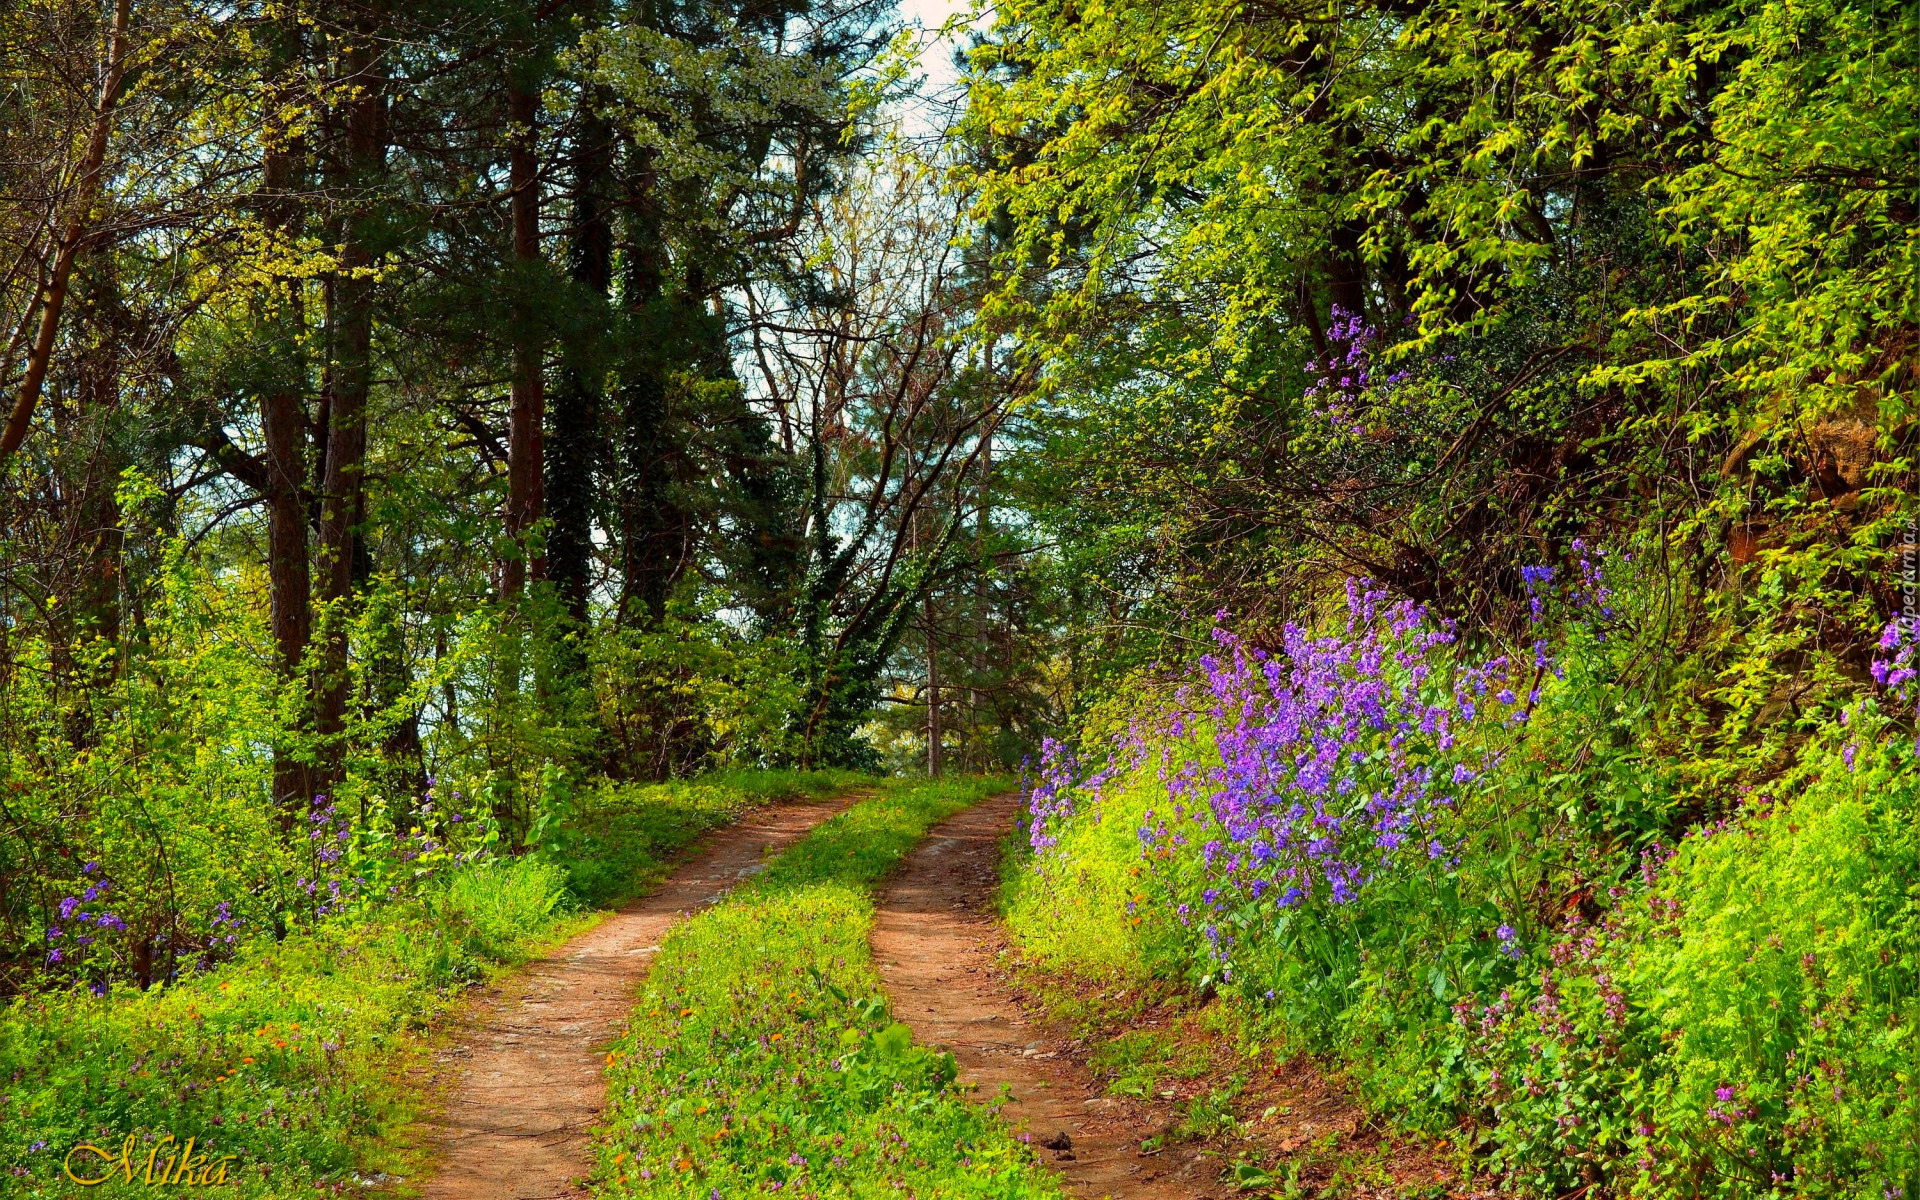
x=516 y=1123
x=937 y=945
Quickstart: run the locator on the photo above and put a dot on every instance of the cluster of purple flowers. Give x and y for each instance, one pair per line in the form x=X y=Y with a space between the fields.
x=341 y=857
x=1899 y=642
x=1346 y=373
x=1052 y=798
x=61 y=944
x=330 y=834
x=1336 y=755
x=1339 y=757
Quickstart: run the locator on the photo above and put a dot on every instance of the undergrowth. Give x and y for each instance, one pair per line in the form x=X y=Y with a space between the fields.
x=1582 y=968
x=295 y=1057
x=762 y=1057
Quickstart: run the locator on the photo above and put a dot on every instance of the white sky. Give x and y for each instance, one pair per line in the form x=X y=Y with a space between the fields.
x=936 y=61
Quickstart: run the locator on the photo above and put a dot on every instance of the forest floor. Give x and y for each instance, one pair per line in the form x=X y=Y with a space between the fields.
x=526 y=1071
x=1211 y=1122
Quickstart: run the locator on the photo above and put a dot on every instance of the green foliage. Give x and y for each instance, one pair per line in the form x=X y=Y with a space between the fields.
x=690 y=692
x=1090 y=905
x=158 y=776
x=614 y=839
x=499 y=900
x=1139 y=1059
x=292 y=1057
x=1743 y=1027
x=762 y=1051
x=1644 y=266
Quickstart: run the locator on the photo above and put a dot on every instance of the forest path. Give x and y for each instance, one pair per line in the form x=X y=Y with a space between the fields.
x=937 y=943
x=516 y=1123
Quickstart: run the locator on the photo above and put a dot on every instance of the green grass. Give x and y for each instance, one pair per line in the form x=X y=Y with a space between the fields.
x=301 y=1057
x=762 y=1057
x=1136 y=1062
x=618 y=839
x=1087 y=906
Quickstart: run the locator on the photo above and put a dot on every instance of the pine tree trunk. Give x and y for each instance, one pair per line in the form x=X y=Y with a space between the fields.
x=933 y=697
x=527 y=419
x=283 y=421
x=350 y=340
x=572 y=443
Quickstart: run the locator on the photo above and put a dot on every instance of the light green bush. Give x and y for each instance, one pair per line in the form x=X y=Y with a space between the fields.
x=1088 y=906
x=505 y=901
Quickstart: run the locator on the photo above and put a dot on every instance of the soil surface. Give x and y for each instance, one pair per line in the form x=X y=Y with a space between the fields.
x=938 y=949
x=515 y=1126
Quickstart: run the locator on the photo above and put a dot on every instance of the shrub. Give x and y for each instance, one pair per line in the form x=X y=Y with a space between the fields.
x=503 y=902
x=1742 y=1025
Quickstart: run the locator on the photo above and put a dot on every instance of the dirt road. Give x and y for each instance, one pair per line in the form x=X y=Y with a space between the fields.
x=936 y=944
x=516 y=1125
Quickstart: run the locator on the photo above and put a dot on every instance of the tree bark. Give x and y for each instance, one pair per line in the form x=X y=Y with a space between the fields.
x=649 y=523
x=283 y=424
x=572 y=451
x=933 y=696
x=527 y=418
x=350 y=341
x=72 y=238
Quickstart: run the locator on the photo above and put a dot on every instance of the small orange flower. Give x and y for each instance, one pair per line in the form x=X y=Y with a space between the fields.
x=248 y=1060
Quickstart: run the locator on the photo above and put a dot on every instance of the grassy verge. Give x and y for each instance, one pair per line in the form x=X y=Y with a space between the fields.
x=296 y=1057
x=762 y=1057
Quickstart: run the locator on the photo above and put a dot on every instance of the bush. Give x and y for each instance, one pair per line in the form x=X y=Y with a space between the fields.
x=503 y=902
x=1742 y=1027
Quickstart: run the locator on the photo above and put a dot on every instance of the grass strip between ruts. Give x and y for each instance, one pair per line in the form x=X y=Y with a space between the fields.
x=761 y=1056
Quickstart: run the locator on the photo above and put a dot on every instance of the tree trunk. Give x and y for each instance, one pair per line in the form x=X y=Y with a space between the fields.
x=573 y=442
x=283 y=421
x=72 y=238
x=527 y=419
x=647 y=524
x=933 y=696
x=350 y=340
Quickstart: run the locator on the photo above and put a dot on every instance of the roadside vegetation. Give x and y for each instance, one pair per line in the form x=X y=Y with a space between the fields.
x=762 y=1056
x=1450 y=880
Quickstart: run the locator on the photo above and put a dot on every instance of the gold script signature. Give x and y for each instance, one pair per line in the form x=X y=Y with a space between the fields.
x=180 y=1167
